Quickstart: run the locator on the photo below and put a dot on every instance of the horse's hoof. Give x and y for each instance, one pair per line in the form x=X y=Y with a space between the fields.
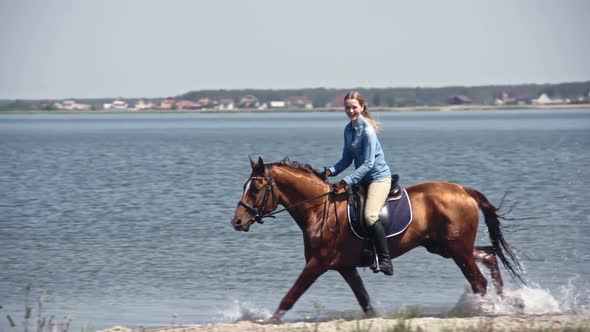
x=370 y=313
x=269 y=321
x=514 y=301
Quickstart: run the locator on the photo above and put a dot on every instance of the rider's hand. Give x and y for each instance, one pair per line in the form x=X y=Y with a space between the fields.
x=326 y=173
x=339 y=186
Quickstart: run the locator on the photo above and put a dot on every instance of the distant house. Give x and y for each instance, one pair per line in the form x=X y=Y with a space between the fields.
x=460 y=100
x=119 y=104
x=544 y=99
x=187 y=105
x=300 y=102
x=277 y=104
x=510 y=97
x=248 y=101
x=73 y=105
x=142 y=104
x=209 y=103
x=165 y=104
x=50 y=105
x=68 y=104
x=336 y=102
x=226 y=104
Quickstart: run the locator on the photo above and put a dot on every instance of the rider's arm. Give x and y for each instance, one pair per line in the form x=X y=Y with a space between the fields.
x=346 y=159
x=369 y=148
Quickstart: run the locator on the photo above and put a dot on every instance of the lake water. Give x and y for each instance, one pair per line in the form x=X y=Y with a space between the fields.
x=129 y=215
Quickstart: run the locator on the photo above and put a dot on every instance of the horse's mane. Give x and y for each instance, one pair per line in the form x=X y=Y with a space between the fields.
x=298 y=165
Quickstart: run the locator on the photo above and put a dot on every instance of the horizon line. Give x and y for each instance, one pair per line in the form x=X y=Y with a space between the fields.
x=308 y=88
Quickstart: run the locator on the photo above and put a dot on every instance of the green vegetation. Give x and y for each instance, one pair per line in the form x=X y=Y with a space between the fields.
x=410 y=96
x=41 y=322
x=413 y=311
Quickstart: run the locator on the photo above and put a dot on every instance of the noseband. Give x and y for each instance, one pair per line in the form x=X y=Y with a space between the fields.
x=258 y=214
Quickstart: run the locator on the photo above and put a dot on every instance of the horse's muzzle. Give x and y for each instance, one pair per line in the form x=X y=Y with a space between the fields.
x=239 y=225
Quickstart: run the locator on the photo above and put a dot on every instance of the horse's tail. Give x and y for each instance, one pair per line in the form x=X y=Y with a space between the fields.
x=492 y=220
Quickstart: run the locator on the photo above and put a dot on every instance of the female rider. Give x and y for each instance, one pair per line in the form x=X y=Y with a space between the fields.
x=362 y=147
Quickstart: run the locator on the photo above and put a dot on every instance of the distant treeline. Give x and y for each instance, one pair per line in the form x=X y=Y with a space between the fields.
x=399 y=97
x=386 y=97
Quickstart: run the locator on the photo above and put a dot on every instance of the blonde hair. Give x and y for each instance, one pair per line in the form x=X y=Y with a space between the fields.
x=356 y=95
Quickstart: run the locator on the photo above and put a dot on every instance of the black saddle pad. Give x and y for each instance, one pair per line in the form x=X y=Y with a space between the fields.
x=396 y=216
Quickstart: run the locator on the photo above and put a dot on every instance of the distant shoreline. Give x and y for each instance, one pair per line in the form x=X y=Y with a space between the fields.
x=314 y=110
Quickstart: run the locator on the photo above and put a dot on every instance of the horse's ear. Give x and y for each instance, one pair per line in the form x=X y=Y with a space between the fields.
x=252 y=163
x=259 y=165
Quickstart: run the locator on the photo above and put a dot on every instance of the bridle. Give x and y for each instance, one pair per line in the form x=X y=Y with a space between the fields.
x=259 y=214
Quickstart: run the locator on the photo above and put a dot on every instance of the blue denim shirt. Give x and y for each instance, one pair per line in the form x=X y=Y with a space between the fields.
x=362 y=146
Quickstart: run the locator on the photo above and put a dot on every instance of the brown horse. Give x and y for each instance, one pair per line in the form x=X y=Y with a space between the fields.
x=445 y=219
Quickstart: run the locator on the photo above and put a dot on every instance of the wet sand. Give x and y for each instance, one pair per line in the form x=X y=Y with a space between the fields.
x=502 y=323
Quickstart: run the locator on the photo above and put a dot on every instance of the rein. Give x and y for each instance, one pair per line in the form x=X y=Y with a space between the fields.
x=271 y=215
x=259 y=213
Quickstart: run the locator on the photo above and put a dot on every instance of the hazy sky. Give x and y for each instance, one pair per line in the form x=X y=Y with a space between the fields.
x=144 y=48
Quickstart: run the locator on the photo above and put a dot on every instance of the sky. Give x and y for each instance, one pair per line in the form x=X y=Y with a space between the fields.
x=145 y=48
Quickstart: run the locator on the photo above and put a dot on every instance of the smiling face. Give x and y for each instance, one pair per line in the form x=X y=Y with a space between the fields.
x=353 y=109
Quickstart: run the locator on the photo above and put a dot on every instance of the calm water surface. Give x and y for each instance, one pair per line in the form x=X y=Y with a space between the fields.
x=130 y=214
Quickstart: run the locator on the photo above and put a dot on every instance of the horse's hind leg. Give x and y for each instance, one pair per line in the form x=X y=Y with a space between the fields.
x=487 y=255
x=353 y=279
x=471 y=271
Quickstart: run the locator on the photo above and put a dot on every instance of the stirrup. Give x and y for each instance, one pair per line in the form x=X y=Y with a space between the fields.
x=375 y=262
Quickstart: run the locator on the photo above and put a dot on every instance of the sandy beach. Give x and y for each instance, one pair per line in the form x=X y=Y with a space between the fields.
x=502 y=323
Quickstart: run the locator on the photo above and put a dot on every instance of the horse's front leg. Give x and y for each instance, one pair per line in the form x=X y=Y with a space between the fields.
x=312 y=270
x=353 y=279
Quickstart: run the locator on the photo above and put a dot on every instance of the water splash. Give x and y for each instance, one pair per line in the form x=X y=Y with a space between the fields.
x=575 y=296
x=536 y=300
x=244 y=311
x=525 y=300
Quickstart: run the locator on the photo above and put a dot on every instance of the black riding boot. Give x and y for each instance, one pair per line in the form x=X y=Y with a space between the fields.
x=378 y=236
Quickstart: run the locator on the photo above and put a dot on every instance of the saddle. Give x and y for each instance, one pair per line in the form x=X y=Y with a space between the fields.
x=395 y=215
x=357 y=196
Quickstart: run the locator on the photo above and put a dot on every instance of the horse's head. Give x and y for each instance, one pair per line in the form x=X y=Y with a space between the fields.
x=259 y=197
